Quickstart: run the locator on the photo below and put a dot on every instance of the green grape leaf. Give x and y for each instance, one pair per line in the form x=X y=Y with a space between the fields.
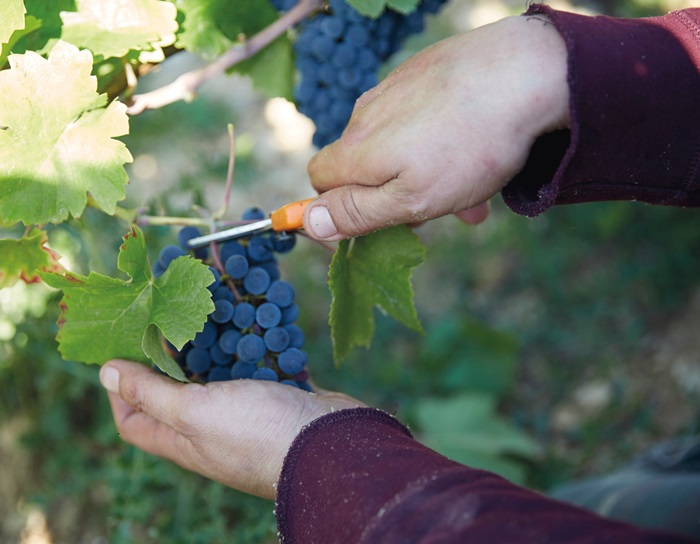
x=369 y=8
x=211 y=27
x=24 y=258
x=373 y=270
x=104 y=318
x=47 y=13
x=153 y=348
x=56 y=138
x=31 y=24
x=403 y=6
x=12 y=19
x=199 y=32
x=112 y=28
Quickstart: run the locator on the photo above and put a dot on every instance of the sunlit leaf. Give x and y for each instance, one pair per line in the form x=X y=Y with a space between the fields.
x=112 y=28
x=12 y=19
x=57 y=138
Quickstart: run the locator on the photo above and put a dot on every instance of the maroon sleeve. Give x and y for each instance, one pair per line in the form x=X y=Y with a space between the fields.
x=635 y=115
x=357 y=476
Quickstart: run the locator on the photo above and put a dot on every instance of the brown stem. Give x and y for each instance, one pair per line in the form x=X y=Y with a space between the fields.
x=185 y=86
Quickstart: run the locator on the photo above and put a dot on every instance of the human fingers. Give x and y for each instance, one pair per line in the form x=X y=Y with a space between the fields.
x=155 y=437
x=474 y=215
x=158 y=396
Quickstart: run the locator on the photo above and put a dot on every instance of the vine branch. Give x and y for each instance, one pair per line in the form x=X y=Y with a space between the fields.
x=185 y=86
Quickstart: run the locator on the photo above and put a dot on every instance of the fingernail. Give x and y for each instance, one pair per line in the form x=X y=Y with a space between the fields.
x=109 y=377
x=321 y=222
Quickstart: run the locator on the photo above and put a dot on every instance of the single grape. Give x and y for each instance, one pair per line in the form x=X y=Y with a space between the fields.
x=168 y=254
x=280 y=293
x=198 y=360
x=228 y=341
x=291 y=361
x=251 y=348
x=276 y=339
x=236 y=266
x=296 y=336
x=259 y=249
x=223 y=311
x=217 y=280
x=244 y=315
x=268 y=315
x=256 y=281
x=229 y=249
x=290 y=382
x=186 y=234
x=290 y=314
x=265 y=373
x=253 y=214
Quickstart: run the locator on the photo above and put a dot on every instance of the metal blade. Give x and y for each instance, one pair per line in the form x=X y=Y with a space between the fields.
x=231 y=234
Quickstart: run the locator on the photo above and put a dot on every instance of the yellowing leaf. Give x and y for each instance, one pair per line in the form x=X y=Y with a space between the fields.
x=57 y=138
x=112 y=28
x=105 y=318
x=23 y=259
x=373 y=270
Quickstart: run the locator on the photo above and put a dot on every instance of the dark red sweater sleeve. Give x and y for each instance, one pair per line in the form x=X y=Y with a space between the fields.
x=357 y=476
x=635 y=116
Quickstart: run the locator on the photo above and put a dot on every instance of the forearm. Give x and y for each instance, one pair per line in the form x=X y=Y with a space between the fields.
x=358 y=476
x=634 y=116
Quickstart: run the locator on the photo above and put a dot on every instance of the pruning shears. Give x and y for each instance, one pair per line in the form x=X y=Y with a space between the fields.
x=285 y=219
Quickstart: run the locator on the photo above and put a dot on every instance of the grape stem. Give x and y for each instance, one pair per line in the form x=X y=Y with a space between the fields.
x=185 y=86
x=161 y=220
x=229 y=174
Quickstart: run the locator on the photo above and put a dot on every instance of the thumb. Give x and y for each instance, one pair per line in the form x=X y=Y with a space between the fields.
x=146 y=391
x=354 y=210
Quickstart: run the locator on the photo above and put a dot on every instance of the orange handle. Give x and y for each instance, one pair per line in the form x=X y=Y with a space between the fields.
x=289 y=217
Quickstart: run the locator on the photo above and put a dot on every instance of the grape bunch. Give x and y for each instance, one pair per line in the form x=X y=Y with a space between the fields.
x=338 y=54
x=251 y=332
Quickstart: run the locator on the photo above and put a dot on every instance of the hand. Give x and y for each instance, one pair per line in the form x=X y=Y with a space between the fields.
x=235 y=432
x=443 y=132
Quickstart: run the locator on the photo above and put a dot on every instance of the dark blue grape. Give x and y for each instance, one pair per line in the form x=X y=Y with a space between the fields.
x=281 y=293
x=228 y=341
x=266 y=374
x=271 y=268
x=296 y=336
x=291 y=361
x=198 y=360
x=217 y=280
x=268 y=315
x=259 y=249
x=290 y=382
x=256 y=281
x=242 y=371
x=168 y=254
x=276 y=339
x=305 y=386
x=206 y=337
x=244 y=315
x=290 y=314
x=218 y=355
x=219 y=374
x=229 y=249
x=253 y=214
x=158 y=270
x=223 y=293
x=186 y=234
x=283 y=242
x=236 y=266
x=251 y=348
x=223 y=311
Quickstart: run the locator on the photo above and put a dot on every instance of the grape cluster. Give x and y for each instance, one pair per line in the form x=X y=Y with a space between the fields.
x=251 y=332
x=338 y=54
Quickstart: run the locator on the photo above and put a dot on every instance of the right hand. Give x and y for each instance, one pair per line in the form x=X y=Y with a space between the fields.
x=443 y=132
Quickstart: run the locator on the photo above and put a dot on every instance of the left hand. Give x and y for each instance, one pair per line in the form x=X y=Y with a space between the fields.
x=236 y=432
